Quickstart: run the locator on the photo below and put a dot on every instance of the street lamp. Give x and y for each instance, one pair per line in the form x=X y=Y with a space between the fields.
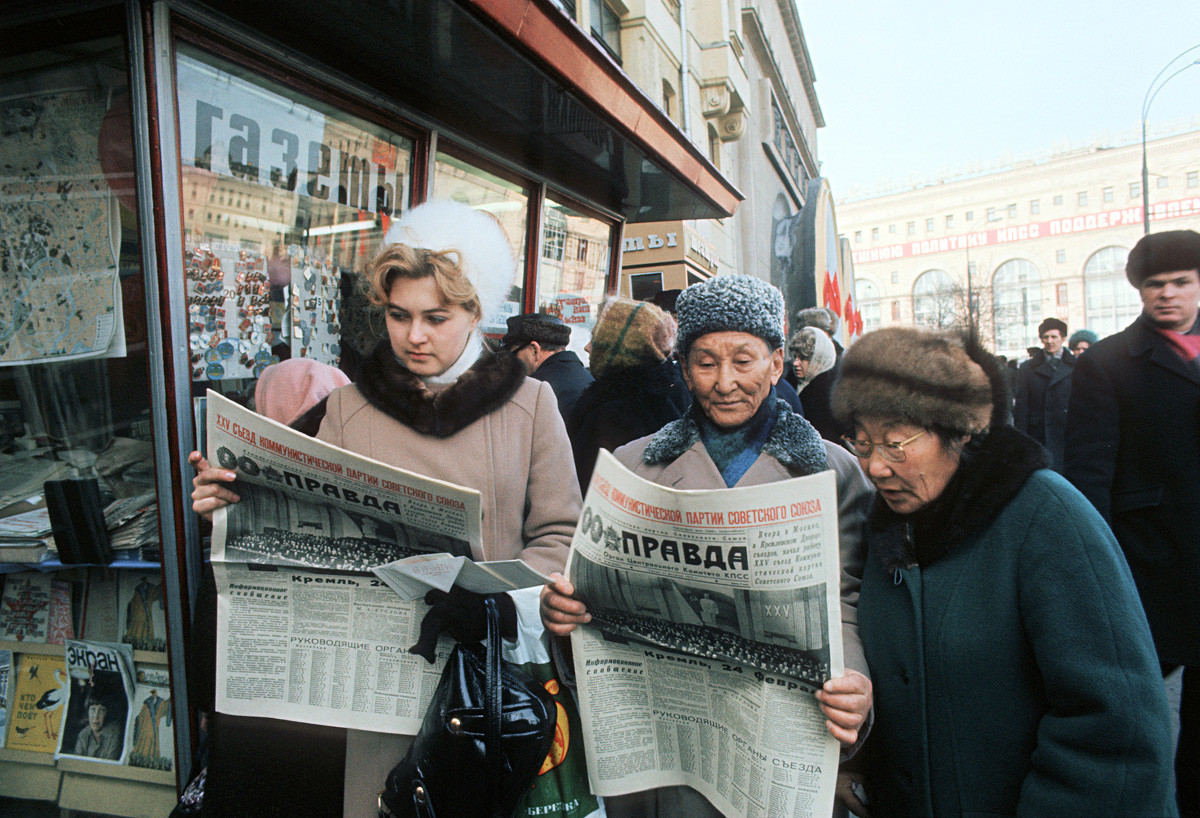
x=1151 y=93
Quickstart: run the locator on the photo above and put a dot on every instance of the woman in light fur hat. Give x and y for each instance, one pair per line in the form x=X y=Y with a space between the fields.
x=812 y=353
x=737 y=433
x=1013 y=667
x=431 y=398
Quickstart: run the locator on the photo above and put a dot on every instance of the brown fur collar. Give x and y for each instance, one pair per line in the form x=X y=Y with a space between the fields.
x=391 y=388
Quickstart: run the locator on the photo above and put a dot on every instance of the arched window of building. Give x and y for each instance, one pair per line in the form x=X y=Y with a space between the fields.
x=938 y=301
x=1016 y=306
x=866 y=295
x=1111 y=303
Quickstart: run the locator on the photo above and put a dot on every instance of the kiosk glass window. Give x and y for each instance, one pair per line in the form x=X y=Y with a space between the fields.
x=77 y=438
x=506 y=199
x=572 y=284
x=284 y=199
x=75 y=421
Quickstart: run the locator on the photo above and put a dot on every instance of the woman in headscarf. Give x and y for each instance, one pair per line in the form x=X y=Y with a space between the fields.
x=1013 y=667
x=433 y=399
x=737 y=433
x=812 y=353
x=635 y=391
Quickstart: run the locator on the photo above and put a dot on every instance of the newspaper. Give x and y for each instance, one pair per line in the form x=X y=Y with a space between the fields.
x=715 y=615
x=305 y=631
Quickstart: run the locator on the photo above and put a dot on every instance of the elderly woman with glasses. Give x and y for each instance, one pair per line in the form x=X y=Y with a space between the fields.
x=1013 y=667
x=738 y=433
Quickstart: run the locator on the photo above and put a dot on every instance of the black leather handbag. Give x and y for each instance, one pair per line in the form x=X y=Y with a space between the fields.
x=485 y=735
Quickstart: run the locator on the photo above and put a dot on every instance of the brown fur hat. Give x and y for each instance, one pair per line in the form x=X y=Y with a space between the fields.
x=1165 y=252
x=928 y=378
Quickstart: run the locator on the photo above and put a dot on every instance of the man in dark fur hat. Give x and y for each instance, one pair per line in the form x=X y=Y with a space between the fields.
x=1133 y=448
x=540 y=341
x=1043 y=389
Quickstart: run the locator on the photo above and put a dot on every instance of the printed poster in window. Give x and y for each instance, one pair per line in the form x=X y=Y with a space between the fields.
x=96 y=724
x=25 y=607
x=153 y=739
x=60 y=296
x=40 y=691
x=140 y=606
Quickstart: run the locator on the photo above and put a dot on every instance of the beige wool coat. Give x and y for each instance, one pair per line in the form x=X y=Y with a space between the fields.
x=512 y=446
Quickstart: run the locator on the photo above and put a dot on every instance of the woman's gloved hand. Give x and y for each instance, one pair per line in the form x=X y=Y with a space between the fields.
x=461 y=614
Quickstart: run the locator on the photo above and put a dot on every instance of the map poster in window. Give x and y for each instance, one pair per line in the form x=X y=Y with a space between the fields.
x=59 y=219
x=140 y=606
x=39 y=693
x=153 y=739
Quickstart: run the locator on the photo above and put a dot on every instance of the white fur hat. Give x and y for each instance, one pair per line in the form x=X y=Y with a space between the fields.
x=484 y=251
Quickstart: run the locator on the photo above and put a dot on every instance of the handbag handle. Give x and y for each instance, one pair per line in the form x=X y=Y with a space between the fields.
x=493 y=701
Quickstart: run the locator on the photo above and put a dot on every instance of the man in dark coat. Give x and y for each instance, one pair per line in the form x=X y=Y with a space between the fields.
x=540 y=341
x=1044 y=389
x=1133 y=448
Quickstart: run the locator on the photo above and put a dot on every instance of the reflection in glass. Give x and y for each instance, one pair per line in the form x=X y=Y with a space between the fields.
x=573 y=269
x=460 y=181
x=284 y=198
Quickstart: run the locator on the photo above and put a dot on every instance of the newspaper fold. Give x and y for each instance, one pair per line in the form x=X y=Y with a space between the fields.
x=715 y=614
x=413 y=576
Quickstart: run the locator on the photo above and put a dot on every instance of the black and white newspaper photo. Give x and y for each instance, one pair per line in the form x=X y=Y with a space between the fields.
x=304 y=630
x=715 y=616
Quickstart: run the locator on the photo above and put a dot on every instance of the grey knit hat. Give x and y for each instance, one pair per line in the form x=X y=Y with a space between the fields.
x=927 y=378
x=729 y=303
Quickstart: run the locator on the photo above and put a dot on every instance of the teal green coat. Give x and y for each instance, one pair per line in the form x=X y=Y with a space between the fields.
x=1015 y=673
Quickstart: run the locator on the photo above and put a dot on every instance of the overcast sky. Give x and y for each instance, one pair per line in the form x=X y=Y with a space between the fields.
x=930 y=88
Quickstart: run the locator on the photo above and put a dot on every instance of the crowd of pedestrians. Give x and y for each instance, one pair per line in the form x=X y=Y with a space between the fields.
x=1018 y=546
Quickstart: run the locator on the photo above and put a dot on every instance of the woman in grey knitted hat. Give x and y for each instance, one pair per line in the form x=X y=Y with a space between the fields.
x=737 y=433
x=1013 y=667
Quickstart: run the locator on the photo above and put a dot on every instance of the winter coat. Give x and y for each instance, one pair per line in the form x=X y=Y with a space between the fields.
x=1133 y=449
x=621 y=406
x=1013 y=668
x=494 y=430
x=567 y=376
x=1043 y=392
x=676 y=457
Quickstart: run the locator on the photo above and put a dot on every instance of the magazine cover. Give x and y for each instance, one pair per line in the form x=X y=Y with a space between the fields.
x=98 y=709
x=60 y=623
x=153 y=739
x=39 y=693
x=25 y=607
x=6 y=681
x=140 y=606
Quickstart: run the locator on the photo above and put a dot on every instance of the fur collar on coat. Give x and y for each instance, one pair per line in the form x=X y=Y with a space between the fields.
x=793 y=441
x=992 y=472
x=393 y=389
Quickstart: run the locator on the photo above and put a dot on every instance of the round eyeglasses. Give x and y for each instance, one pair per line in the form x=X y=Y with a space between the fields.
x=889 y=451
